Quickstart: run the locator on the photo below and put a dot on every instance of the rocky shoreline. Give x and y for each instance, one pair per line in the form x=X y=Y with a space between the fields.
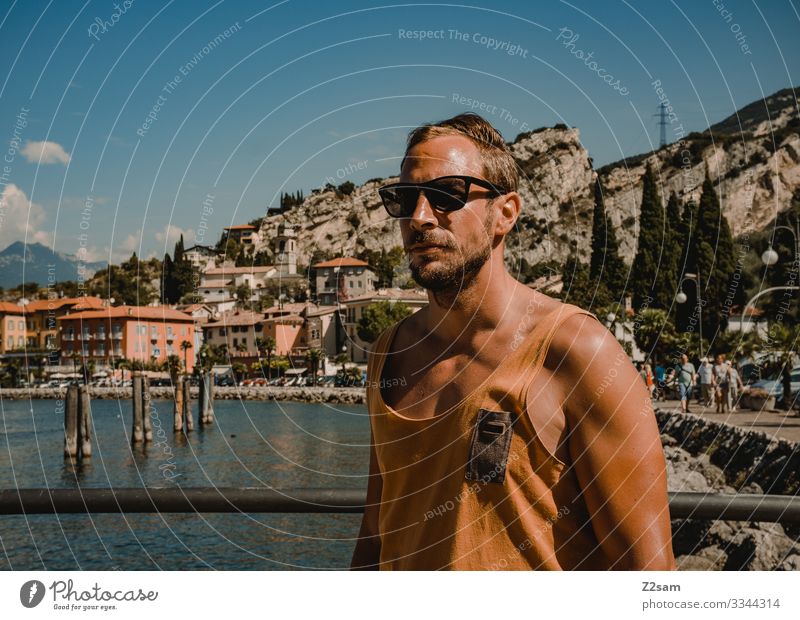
x=712 y=457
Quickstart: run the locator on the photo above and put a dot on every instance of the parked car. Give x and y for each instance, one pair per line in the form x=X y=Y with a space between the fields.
x=774 y=386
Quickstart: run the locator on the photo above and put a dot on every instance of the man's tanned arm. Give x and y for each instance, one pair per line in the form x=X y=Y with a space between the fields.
x=615 y=447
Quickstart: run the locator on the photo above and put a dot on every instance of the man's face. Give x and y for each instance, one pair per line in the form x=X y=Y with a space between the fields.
x=684 y=359
x=462 y=239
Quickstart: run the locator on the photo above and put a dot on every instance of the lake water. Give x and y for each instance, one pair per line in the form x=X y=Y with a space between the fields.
x=276 y=444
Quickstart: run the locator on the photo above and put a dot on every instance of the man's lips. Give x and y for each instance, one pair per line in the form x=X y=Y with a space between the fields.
x=422 y=247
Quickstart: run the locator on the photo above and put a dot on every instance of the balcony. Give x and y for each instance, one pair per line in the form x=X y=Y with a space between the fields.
x=67 y=337
x=85 y=336
x=117 y=335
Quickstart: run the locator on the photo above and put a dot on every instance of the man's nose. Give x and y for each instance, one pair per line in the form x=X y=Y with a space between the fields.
x=423 y=215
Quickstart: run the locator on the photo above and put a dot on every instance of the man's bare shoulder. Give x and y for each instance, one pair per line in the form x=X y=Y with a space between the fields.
x=582 y=343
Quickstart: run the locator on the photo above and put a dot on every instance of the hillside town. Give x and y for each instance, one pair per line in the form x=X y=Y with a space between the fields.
x=227 y=325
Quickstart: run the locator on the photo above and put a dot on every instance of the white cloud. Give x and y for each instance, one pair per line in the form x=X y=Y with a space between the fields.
x=171 y=234
x=45 y=153
x=18 y=214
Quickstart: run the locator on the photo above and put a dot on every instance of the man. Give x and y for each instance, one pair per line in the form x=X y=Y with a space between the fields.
x=721 y=383
x=522 y=436
x=735 y=386
x=706 y=376
x=686 y=377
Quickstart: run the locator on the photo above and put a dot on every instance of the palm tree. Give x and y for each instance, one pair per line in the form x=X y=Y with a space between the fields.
x=185 y=346
x=313 y=356
x=268 y=347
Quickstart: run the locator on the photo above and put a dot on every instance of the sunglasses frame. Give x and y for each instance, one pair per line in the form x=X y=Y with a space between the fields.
x=430 y=186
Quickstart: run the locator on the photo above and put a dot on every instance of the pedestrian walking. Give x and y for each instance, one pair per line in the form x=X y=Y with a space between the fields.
x=735 y=386
x=706 y=375
x=687 y=377
x=721 y=384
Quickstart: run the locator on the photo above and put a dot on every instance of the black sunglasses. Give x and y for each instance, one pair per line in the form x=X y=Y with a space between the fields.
x=448 y=193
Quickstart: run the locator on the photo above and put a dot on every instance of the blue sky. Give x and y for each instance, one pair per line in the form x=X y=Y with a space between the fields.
x=298 y=92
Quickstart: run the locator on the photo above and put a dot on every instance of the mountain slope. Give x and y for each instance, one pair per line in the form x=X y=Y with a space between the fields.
x=37 y=263
x=756 y=171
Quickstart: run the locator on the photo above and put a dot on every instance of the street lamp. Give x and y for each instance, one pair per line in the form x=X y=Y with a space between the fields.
x=681 y=299
x=769 y=257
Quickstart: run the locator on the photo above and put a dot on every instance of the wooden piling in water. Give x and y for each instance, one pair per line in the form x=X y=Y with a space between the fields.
x=84 y=423
x=137 y=436
x=188 y=421
x=178 y=410
x=147 y=423
x=210 y=403
x=71 y=422
x=206 y=399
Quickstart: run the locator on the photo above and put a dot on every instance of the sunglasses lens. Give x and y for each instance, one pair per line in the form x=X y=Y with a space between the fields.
x=399 y=201
x=447 y=194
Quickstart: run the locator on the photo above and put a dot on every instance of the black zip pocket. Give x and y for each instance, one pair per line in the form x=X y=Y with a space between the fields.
x=490 y=445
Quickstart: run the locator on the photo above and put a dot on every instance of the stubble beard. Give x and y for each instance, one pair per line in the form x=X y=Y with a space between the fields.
x=451 y=278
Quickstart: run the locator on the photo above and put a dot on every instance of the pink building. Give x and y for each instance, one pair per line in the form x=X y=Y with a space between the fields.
x=146 y=333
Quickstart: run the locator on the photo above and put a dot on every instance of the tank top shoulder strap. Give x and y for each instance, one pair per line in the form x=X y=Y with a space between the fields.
x=379 y=350
x=538 y=343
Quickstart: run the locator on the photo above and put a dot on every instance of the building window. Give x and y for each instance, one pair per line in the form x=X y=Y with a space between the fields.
x=360 y=284
x=21 y=325
x=153 y=332
x=244 y=342
x=101 y=349
x=221 y=331
x=11 y=326
x=235 y=341
x=11 y=342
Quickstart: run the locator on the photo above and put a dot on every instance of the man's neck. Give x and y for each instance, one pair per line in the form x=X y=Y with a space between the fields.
x=482 y=304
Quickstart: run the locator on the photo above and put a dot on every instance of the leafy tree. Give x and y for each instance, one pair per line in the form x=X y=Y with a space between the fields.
x=173 y=366
x=383 y=263
x=656 y=336
x=606 y=268
x=239 y=370
x=314 y=357
x=346 y=188
x=267 y=346
x=577 y=289
x=379 y=316
x=649 y=277
x=185 y=346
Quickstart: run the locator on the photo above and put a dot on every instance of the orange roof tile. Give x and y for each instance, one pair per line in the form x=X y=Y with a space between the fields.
x=151 y=313
x=6 y=307
x=59 y=302
x=344 y=261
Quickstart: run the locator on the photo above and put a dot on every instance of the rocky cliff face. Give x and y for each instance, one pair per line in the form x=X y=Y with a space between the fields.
x=753 y=156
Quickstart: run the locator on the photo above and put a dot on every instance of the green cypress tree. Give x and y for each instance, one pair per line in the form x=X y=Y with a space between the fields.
x=649 y=283
x=606 y=267
x=167 y=280
x=687 y=264
x=716 y=263
x=577 y=288
x=674 y=249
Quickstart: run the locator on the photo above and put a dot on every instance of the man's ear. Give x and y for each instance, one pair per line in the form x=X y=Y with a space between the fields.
x=507 y=207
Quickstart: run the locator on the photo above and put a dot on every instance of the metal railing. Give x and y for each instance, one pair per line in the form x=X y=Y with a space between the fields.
x=782 y=509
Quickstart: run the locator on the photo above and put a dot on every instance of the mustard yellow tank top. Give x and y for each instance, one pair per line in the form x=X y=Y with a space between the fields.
x=473 y=488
